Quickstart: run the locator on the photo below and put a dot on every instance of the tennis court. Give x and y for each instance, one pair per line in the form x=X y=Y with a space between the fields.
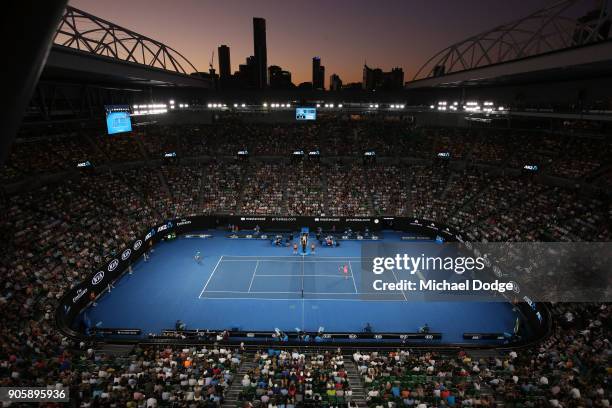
x=282 y=278
x=253 y=285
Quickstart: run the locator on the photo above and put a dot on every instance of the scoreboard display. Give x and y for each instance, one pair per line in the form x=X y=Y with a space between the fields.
x=306 y=113
x=118 y=119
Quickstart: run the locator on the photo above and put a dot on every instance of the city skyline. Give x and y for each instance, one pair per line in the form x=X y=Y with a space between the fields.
x=345 y=36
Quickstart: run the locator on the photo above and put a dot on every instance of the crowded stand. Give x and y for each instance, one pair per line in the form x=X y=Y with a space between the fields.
x=388 y=190
x=119 y=149
x=57 y=233
x=263 y=191
x=570 y=368
x=292 y=378
x=184 y=184
x=570 y=156
x=489 y=147
x=152 y=376
x=347 y=191
x=304 y=191
x=33 y=158
x=158 y=141
x=427 y=187
x=221 y=186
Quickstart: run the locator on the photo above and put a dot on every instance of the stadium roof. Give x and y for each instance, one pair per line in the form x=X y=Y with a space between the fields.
x=558 y=42
x=94 y=50
x=590 y=61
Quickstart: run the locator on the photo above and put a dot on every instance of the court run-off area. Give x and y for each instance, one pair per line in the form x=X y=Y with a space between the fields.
x=253 y=285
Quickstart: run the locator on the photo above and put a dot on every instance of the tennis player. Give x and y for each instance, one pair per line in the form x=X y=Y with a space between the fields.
x=344 y=269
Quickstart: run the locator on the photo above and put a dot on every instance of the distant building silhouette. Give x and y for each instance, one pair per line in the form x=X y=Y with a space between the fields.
x=375 y=78
x=353 y=86
x=260 y=52
x=225 y=67
x=305 y=85
x=318 y=74
x=335 y=83
x=279 y=79
x=246 y=76
x=210 y=75
x=394 y=79
x=372 y=78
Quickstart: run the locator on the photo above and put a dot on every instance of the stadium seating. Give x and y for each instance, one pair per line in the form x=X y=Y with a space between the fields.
x=59 y=222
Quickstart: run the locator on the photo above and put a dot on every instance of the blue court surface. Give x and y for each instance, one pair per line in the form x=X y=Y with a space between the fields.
x=253 y=285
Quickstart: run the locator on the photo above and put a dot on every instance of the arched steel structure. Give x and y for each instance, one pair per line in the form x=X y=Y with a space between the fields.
x=86 y=32
x=564 y=24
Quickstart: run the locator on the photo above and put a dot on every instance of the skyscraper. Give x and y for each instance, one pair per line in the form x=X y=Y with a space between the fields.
x=335 y=83
x=260 y=51
x=225 y=68
x=279 y=79
x=372 y=78
x=318 y=74
x=375 y=78
x=246 y=77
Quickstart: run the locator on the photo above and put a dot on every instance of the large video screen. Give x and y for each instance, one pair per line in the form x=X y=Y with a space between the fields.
x=306 y=113
x=118 y=119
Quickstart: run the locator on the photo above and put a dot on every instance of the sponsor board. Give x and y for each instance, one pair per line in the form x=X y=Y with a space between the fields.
x=126 y=254
x=113 y=265
x=80 y=293
x=150 y=235
x=97 y=278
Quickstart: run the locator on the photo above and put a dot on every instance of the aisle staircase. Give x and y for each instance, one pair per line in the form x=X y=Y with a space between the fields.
x=230 y=399
x=359 y=393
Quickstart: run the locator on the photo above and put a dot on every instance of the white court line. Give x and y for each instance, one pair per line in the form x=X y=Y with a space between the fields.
x=293 y=257
x=253 y=277
x=242 y=291
x=211 y=275
x=397 y=281
x=299 y=299
x=306 y=276
x=296 y=292
x=293 y=260
x=352 y=277
x=303 y=303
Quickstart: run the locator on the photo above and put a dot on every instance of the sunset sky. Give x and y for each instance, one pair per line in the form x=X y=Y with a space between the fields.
x=344 y=33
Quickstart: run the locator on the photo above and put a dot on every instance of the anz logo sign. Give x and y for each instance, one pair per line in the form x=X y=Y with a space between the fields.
x=150 y=234
x=97 y=278
x=165 y=227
